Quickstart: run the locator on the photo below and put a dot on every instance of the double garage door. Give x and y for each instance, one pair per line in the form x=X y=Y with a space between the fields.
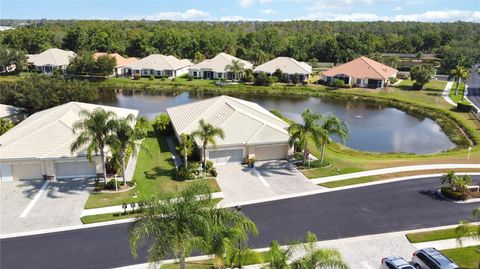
x=74 y=169
x=226 y=156
x=20 y=171
x=273 y=152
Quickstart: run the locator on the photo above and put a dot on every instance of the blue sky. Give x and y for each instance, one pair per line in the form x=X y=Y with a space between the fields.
x=234 y=10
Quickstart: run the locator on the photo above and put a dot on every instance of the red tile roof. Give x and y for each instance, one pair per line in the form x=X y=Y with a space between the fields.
x=362 y=67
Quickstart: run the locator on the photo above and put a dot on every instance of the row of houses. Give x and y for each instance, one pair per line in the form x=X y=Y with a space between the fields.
x=360 y=72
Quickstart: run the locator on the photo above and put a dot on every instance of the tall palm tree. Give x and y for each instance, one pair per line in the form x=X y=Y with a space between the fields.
x=185 y=147
x=459 y=73
x=207 y=133
x=236 y=67
x=467 y=230
x=279 y=257
x=300 y=134
x=182 y=224
x=93 y=130
x=333 y=126
x=126 y=134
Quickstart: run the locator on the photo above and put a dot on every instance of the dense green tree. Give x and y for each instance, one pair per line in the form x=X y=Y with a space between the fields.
x=181 y=224
x=5 y=125
x=459 y=73
x=9 y=57
x=82 y=64
x=104 y=65
x=422 y=74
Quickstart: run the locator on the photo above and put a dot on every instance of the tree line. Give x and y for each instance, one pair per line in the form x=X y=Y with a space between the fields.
x=257 y=42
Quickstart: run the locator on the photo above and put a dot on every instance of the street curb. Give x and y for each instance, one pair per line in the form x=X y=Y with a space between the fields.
x=440 y=195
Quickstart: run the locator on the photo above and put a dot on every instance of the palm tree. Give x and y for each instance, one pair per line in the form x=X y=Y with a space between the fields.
x=333 y=126
x=93 y=130
x=235 y=67
x=459 y=73
x=182 y=224
x=125 y=135
x=300 y=134
x=468 y=230
x=279 y=257
x=448 y=178
x=185 y=147
x=207 y=133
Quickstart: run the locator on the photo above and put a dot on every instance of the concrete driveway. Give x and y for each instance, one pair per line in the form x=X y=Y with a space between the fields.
x=268 y=179
x=30 y=205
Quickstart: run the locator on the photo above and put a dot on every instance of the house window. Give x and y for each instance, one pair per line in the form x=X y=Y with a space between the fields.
x=359 y=81
x=219 y=75
x=195 y=74
x=159 y=73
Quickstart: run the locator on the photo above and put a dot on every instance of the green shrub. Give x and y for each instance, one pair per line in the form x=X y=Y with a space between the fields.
x=392 y=80
x=263 y=80
x=152 y=77
x=189 y=78
x=402 y=76
x=454 y=195
x=337 y=83
x=417 y=86
x=110 y=185
x=136 y=77
x=189 y=173
x=464 y=106
x=162 y=124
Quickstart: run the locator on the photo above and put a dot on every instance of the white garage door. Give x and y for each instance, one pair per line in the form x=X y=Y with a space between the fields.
x=74 y=169
x=226 y=156
x=276 y=152
x=27 y=171
x=6 y=172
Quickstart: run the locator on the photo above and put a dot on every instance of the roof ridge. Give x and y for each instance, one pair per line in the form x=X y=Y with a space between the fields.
x=297 y=63
x=371 y=66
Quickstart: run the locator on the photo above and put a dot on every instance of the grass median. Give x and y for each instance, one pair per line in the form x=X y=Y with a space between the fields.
x=466 y=257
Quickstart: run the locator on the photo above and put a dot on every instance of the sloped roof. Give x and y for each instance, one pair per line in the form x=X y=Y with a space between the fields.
x=220 y=62
x=362 y=67
x=48 y=134
x=159 y=62
x=286 y=64
x=244 y=122
x=121 y=61
x=6 y=110
x=54 y=57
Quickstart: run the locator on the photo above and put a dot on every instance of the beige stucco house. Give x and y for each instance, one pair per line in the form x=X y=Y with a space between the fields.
x=361 y=72
x=39 y=146
x=216 y=68
x=122 y=62
x=51 y=59
x=250 y=130
x=159 y=65
x=289 y=67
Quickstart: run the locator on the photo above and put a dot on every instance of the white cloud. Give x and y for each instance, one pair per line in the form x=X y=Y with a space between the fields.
x=239 y=18
x=190 y=14
x=248 y=3
x=332 y=4
x=268 y=11
x=397 y=8
x=428 y=16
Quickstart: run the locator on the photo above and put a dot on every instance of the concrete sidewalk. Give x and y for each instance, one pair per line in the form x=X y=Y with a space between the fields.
x=446 y=93
x=395 y=170
x=447 y=244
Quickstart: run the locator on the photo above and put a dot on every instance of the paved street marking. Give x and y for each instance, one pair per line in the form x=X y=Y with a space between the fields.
x=264 y=182
x=34 y=201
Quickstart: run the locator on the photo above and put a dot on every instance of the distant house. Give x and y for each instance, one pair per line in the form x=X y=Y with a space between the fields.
x=39 y=146
x=216 y=68
x=122 y=62
x=250 y=130
x=49 y=60
x=361 y=72
x=289 y=67
x=159 y=65
x=15 y=114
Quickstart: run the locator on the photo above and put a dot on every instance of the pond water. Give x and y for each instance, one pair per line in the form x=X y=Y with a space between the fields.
x=372 y=127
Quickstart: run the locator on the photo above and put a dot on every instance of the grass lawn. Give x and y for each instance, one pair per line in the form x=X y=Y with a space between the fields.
x=154 y=175
x=461 y=88
x=432 y=235
x=208 y=264
x=466 y=258
x=348 y=160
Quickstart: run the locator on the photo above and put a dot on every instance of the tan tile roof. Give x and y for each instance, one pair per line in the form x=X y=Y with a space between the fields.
x=286 y=64
x=362 y=67
x=220 y=62
x=48 y=134
x=244 y=123
x=121 y=61
x=53 y=57
x=159 y=62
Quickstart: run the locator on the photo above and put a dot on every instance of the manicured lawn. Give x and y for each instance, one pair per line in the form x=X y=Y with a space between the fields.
x=432 y=235
x=154 y=175
x=457 y=98
x=207 y=264
x=346 y=182
x=466 y=258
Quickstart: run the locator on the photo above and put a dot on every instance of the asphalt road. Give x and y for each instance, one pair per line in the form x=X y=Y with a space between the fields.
x=361 y=211
x=474 y=86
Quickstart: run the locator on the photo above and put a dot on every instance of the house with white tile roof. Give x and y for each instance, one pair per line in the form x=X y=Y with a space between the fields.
x=159 y=65
x=289 y=67
x=51 y=59
x=216 y=68
x=39 y=146
x=250 y=130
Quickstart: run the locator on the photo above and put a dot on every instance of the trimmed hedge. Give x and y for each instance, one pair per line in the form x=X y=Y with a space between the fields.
x=464 y=106
x=454 y=195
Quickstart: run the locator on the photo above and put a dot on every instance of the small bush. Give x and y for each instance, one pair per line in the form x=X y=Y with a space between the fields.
x=151 y=77
x=392 y=80
x=337 y=83
x=417 y=86
x=464 y=106
x=162 y=79
x=454 y=195
x=402 y=76
x=191 y=172
x=263 y=80
x=318 y=164
x=189 y=78
x=162 y=124
x=136 y=77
